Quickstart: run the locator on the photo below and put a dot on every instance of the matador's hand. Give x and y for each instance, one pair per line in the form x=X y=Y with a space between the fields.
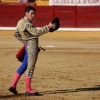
x=52 y=25
x=55 y=24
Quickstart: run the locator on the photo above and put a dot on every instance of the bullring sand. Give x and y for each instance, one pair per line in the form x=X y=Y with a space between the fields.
x=69 y=69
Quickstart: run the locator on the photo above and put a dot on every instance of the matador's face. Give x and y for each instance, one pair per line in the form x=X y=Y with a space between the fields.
x=30 y=15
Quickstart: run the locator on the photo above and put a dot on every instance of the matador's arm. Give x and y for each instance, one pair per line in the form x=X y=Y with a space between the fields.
x=36 y=32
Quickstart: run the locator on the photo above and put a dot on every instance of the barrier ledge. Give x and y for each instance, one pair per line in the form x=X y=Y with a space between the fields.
x=60 y=34
x=60 y=29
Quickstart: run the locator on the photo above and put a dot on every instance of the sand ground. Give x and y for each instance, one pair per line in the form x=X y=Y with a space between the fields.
x=69 y=69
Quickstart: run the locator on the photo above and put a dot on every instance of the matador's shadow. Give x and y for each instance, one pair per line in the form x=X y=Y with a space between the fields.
x=95 y=88
x=11 y=96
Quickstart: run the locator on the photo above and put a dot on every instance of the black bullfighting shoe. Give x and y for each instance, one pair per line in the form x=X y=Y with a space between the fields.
x=32 y=94
x=11 y=89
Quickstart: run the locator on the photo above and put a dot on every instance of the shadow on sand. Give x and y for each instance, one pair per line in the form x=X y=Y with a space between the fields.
x=96 y=88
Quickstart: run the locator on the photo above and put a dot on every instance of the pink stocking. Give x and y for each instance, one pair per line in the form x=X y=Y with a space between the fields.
x=28 y=85
x=16 y=78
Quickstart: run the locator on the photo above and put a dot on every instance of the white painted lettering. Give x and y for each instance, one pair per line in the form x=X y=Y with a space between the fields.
x=84 y=1
x=78 y=2
x=72 y=1
x=75 y=2
x=90 y=1
x=96 y=1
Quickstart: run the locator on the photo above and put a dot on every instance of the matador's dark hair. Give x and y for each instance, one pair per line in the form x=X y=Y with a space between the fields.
x=28 y=8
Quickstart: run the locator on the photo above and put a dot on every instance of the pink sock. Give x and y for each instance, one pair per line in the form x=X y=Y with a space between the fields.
x=15 y=80
x=28 y=85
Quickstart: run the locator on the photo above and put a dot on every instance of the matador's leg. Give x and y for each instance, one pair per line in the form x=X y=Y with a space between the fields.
x=32 y=58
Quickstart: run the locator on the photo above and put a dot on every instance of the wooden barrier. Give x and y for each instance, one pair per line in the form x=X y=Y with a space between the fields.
x=88 y=16
x=67 y=15
x=70 y=16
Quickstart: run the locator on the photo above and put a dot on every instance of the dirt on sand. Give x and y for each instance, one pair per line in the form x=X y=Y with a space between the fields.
x=69 y=69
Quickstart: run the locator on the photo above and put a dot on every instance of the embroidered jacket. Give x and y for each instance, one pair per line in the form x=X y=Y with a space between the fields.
x=26 y=32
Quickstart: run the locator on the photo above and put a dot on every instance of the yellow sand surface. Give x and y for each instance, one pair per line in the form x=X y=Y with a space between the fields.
x=69 y=68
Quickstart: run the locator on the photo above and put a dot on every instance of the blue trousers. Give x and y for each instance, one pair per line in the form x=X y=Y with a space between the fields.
x=23 y=66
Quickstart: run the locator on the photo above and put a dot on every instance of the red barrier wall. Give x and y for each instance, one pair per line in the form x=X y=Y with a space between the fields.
x=70 y=16
x=10 y=13
x=44 y=14
x=67 y=15
x=88 y=16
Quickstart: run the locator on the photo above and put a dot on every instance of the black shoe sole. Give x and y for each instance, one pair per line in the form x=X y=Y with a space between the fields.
x=11 y=89
x=32 y=94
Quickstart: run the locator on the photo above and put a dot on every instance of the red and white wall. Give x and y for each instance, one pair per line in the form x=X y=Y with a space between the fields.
x=71 y=16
